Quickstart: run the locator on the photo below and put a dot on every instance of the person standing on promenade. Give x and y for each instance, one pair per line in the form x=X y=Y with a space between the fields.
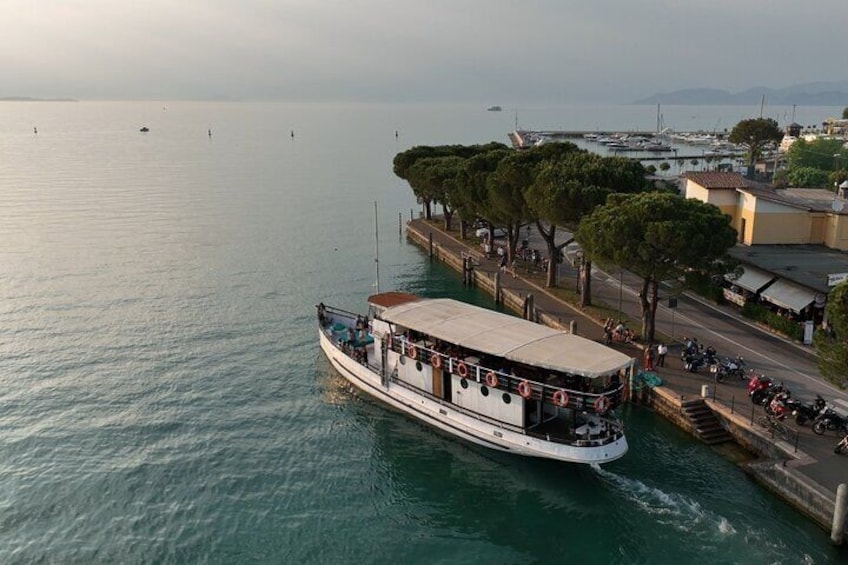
x=662 y=351
x=649 y=357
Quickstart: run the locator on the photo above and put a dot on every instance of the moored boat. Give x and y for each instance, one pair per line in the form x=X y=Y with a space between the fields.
x=483 y=376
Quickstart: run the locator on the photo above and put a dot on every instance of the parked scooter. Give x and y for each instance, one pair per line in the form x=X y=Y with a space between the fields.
x=829 y=419
x=805 y=412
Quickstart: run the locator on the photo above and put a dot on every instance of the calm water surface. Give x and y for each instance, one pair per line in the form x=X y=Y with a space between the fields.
x=162 y=393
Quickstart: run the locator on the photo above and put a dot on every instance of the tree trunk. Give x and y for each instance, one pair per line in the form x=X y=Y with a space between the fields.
x=645 y=304
x=550 y=242
x=652 y=329
x=448 y=213
x=428 y=213
x=585 y=282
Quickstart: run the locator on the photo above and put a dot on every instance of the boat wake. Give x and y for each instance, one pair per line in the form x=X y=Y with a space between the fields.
x=669 y=509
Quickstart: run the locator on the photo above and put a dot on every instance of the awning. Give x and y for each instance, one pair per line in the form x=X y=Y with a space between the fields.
x=506 y=336
x=751 y=279
x=789 y=295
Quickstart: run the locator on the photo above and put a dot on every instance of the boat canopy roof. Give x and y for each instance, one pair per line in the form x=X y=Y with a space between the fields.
x=506 y=336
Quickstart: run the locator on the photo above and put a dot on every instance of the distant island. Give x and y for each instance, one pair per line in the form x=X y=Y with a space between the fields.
x=808 y=94
x=29 y=99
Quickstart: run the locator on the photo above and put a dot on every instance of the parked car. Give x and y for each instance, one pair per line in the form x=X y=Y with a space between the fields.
x=483 y=232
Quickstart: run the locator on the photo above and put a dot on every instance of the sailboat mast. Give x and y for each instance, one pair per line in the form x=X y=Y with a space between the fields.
x=658 y=119
x=377 y=246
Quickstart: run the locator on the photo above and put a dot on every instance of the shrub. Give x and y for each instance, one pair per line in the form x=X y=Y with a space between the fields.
x=760 y=313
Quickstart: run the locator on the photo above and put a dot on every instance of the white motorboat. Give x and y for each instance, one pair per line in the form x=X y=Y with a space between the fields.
x=486 y=377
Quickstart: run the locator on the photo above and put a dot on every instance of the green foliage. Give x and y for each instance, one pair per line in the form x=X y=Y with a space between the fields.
x=702 y=284
x=651 y=169
x=657 y=236
x=845 y=113
x=838 y=177
x=807 y=177
x=825 y=154
x=832 y=345
x=756 y=134
x=664 y=166
x=404 y=163
x=760 y=313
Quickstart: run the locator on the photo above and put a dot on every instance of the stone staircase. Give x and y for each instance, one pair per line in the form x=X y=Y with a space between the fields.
x=704 y=422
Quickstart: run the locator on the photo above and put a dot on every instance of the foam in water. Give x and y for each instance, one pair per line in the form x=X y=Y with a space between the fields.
x=672 y=509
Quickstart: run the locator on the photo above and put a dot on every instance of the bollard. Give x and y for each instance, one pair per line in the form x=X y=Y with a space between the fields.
x=572 y=327
x=400 y=224
x=430 y=245
x=705 y=391
x=837 y=531
x=497 y=291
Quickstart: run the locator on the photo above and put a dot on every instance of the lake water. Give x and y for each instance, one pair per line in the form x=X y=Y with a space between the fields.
x=162 y=394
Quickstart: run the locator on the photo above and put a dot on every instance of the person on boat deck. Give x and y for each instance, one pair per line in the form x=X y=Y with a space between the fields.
x=322 y=314
x=351 y=336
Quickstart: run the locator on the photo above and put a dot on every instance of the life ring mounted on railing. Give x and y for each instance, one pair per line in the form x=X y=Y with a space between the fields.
x=561 y=398
x=602 y=404
x=524 y=389
x=462 y=369
x=412 y=351
x=491 y=379
x=436 y=361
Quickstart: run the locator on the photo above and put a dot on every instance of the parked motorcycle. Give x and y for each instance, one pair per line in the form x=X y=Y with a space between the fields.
x=728 y=368
x=758 y=388
x=777 y=405
x=829 y=419
x=805 y=412
x=691 y=347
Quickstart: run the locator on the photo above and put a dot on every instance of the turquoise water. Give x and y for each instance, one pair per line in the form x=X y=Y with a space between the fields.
x=163 y=397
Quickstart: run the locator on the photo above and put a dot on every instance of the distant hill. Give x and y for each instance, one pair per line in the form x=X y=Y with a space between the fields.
x=808 y=94
x=28 y=99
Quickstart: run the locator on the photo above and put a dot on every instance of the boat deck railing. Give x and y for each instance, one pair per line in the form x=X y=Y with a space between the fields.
x=563 y=397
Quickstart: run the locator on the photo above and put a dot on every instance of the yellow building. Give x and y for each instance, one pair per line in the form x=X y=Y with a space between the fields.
x=764 y=215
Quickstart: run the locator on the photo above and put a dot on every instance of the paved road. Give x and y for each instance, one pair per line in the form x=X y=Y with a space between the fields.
x=722 y=327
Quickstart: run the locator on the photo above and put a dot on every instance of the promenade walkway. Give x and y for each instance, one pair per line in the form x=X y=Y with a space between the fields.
x=814 y=463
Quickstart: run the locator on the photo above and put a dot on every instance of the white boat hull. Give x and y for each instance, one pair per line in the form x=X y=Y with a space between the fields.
x=446 y=417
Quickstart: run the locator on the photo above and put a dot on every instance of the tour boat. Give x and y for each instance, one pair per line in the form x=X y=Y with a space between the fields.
x=489 y=378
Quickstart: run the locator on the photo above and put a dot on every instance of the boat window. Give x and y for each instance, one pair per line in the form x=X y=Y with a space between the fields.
x=403 y=360
x=463 y=383
x=506 y=398
x=484 y=390
x=418 y=365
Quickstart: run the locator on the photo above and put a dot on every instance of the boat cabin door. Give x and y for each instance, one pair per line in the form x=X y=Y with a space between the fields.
x=442 y=384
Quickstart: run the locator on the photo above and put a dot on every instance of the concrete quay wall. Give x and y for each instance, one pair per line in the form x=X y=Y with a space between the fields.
x=779 y=470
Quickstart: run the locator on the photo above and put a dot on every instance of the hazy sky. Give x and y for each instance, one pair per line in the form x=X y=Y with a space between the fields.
x=481 y=51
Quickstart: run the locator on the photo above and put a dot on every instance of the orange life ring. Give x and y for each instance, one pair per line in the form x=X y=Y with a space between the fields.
x=461 y=369
x=524 y=389
x=436 y=360
x=602 y=404
x=491 y=379
x=561 y=398
x=411 y=351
